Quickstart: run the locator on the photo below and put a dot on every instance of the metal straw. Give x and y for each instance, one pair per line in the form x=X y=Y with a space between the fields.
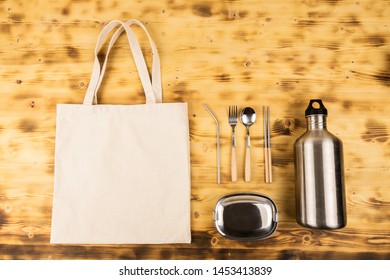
x=267 y=145
x=218 y=144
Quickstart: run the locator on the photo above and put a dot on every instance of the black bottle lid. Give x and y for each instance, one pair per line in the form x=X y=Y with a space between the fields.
x=316 y=108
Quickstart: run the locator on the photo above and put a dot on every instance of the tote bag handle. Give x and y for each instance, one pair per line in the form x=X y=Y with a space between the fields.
x=156 y=72
x=153 y=92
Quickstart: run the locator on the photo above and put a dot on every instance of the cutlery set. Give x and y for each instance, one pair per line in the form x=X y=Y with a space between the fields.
x=247 y=118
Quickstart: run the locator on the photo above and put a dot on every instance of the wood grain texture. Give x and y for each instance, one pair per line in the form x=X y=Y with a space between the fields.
x=245 y=53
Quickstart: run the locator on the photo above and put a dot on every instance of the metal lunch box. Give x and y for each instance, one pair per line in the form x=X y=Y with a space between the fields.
x=246 y=216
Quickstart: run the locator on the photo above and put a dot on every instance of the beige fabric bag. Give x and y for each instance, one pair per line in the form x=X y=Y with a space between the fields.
x=122 y=172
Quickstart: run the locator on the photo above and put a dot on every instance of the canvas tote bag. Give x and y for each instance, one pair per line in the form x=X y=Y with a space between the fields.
x=122 y=172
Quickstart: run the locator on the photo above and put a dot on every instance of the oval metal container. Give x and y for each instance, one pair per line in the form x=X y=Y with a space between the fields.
x=246 y=216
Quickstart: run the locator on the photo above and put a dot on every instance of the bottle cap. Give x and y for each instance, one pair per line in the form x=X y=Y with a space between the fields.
x=316 y=108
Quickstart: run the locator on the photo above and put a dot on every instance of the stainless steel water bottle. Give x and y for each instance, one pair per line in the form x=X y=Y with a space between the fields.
x=319 y=175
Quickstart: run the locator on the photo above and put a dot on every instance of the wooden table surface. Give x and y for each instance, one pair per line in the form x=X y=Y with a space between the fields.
x=248 y=53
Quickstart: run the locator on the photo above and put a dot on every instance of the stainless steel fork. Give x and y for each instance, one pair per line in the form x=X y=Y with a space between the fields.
x=233 y=118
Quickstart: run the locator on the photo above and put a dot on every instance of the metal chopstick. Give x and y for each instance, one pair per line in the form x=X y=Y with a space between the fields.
x=267 y=145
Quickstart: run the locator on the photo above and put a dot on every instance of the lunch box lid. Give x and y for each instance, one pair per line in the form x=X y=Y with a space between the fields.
x=246 y=216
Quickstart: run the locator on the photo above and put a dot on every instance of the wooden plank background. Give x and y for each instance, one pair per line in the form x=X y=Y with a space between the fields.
x=248 y=53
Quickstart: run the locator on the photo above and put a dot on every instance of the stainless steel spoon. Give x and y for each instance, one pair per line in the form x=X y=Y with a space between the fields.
x=248 y=117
